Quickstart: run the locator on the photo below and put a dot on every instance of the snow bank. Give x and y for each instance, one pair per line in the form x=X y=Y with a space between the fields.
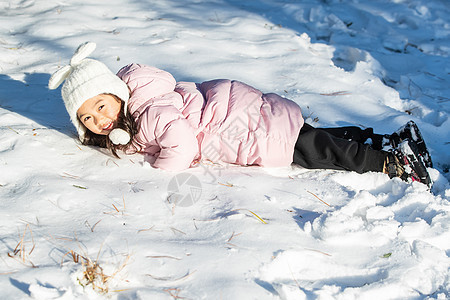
x=70 y=212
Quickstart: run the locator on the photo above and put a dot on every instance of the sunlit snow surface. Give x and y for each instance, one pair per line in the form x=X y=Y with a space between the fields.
x=251 y=233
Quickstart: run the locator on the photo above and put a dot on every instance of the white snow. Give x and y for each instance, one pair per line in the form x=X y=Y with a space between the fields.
x=252 y=233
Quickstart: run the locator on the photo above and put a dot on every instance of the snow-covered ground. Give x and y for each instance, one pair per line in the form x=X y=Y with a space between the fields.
x=241 y=233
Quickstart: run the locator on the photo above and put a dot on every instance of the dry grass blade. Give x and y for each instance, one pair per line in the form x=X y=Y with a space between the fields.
x=293 y=277
x=121 y=267
x=12 y=129
x=79 y=187
x=115 y=207
x=67 y=175
x=20 y=249
x=121 y=290
x=233 y=236
x=93 y=274
x=231 y=245
x=258 y=217
x=116 y=210
x=51 y=237
x=75 y=257
x=110 y=160
x=8 y=273
x=318 y=251
x=92 y=227
x=140 y=230
x=177 y=230
x=98 y=253
x=340 y=93
x=171 y=294
x=318 y=198
x=163 y=256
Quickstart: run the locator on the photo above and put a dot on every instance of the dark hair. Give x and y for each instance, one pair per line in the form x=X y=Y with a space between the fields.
x=125 y=122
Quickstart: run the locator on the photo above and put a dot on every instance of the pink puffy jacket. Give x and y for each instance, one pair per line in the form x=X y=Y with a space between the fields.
x=219 y=120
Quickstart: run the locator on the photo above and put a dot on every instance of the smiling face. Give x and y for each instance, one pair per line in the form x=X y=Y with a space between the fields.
x=100 y=113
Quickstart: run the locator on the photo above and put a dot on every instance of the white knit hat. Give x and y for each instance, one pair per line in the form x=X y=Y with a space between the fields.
x=86 y=78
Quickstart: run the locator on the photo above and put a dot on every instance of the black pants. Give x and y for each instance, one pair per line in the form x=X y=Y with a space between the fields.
x=339 y=149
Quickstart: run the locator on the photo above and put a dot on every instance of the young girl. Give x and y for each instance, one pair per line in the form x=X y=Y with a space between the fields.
x=176 y=124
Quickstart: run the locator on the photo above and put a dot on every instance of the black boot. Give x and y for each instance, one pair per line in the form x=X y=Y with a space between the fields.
x=411 y=132
x=406 y=163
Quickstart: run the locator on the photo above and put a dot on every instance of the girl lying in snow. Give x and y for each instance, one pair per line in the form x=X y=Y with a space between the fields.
x=143 y=109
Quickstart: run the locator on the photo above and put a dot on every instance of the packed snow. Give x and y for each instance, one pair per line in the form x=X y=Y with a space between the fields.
x=77 y=223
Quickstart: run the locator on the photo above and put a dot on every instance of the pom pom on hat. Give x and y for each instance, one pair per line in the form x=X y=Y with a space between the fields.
x=119 y=136
x=86 y=78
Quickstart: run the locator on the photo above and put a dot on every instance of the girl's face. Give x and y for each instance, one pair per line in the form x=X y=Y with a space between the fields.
x=100 y=113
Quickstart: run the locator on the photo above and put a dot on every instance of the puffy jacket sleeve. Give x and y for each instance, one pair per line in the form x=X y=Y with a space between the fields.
x=173 y=134
x=145 y=82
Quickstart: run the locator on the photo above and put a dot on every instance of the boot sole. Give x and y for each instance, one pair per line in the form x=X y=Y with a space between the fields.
x=411 y=131
x=411 y=156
